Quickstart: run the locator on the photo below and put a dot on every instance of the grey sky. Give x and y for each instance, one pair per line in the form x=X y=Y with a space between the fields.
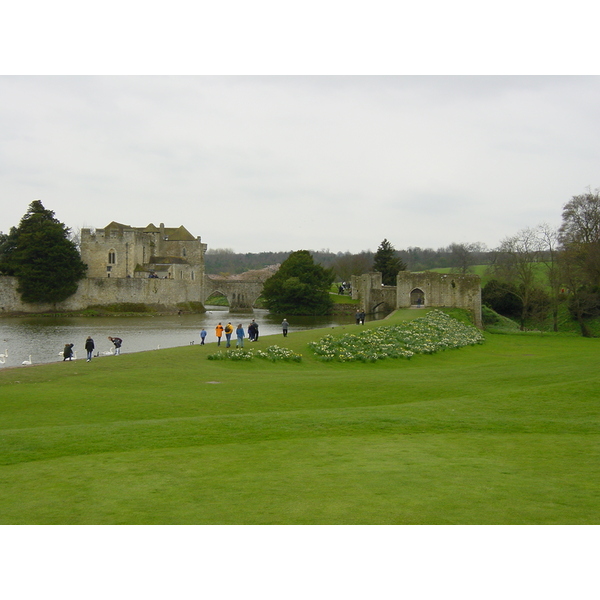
x=298 y=162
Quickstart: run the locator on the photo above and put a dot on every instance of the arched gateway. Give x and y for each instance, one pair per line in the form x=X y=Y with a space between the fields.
x=432 y=289
x=417 y=297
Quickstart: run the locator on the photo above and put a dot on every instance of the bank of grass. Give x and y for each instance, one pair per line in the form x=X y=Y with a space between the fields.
x=504 y=432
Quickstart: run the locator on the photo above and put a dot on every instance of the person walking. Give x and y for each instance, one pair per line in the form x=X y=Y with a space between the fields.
x=68 y=352
x=228 y=332
x=89 y=348
x=253 y=331
x=239 y=332
x=202 y=336
x=118 y=342
x=284 y=326
x=219 y=333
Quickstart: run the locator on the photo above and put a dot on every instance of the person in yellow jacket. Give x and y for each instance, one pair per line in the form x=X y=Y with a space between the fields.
x=219 y=333
x=228 y=332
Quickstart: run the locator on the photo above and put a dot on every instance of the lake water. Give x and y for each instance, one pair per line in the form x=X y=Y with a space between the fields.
x=43 y=338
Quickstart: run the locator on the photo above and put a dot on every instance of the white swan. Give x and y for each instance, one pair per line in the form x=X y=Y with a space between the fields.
x=27 y=362
x=2 y=359
x=5 y=355
x=109 y=352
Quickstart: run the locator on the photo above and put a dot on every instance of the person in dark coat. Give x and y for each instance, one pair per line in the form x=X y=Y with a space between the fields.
x=89 y=348
x=118 y=342
x=68 y=352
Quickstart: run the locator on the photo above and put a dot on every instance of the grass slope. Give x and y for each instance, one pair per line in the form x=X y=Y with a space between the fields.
x=505 y=432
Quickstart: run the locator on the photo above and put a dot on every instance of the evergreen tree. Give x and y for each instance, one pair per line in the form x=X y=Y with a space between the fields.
x=387 y=263
x=40 y=255
x=300 y=287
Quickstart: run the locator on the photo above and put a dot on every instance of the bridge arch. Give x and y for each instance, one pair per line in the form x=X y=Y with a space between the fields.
x=241 y=295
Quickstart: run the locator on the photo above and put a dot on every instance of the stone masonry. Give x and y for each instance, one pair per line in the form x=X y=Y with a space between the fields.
x=415 y=290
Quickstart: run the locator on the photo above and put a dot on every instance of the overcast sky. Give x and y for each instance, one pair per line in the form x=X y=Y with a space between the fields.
x=259 y=163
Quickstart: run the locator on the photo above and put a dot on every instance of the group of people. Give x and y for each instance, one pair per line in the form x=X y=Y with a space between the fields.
x=360 y=317
x=240 y=334
x=344 y=287
x=228 y=330
x=68 y=352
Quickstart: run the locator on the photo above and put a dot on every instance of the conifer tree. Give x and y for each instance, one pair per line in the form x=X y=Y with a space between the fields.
x=39 y=254
x=387 y=263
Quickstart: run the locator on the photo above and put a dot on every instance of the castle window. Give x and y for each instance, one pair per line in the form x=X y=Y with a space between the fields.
x=112 y=257
x=183 y=253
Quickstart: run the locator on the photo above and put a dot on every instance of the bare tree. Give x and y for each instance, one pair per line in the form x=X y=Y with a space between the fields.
x=549 y=257
x=516 y=263
x=348 y=264
x=579 y=236
x=581 y=219
x=464 y=256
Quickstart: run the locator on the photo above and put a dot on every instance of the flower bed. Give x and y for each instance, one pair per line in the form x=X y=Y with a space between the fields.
x=272 y=353
x=275 y=353
x=426 y=335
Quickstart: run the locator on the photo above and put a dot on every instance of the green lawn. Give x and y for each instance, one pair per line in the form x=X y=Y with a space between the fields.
x=504 y=432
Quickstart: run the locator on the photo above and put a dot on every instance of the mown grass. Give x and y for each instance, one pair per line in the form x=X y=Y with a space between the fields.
x=505 y=432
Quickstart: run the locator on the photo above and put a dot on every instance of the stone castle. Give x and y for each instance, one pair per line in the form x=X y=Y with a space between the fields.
x=160 y=252
x=162 y=267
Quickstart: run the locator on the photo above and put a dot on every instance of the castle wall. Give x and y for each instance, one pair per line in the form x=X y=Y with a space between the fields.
x=420 y=289
x=103 y=291
x=441 y=290
x=372 y=294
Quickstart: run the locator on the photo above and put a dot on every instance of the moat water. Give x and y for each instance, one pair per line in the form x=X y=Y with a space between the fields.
x=43 y=338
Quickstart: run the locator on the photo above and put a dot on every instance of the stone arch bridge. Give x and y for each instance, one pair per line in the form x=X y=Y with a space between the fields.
x=241 y=293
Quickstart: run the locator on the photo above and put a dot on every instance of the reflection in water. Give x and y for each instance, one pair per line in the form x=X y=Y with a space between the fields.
x=45 y=337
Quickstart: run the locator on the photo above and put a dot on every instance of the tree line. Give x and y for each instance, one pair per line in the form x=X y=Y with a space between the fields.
x=458 y=256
